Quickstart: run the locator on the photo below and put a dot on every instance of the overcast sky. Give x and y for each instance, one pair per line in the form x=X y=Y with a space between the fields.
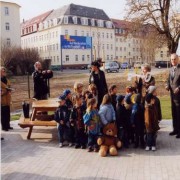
x=31 y=8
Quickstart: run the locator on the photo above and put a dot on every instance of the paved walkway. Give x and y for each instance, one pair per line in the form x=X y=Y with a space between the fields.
x=41 y=159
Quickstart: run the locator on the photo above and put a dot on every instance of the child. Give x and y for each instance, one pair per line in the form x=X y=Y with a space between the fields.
x=152 y=90
x=62 y=119
x=69 y=104
x=78 y=88
x=92 y=121
x=106 y=111
x=137 y=121
x=77 y=117
x=121 y=120
x=93 y=91
x=151 y=122
x=113 y=92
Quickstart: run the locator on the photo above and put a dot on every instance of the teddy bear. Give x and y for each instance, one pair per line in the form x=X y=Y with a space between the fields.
x=109 y=142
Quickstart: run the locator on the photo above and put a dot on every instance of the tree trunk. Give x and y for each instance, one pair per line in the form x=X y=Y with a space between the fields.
x=172 y=46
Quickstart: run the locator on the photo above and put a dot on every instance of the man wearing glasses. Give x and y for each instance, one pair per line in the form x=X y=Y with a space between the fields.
x=173 y=85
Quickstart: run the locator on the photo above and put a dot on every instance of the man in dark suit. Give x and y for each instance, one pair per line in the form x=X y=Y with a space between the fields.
x=173 y=85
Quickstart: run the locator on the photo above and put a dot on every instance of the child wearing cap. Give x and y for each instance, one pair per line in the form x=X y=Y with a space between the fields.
x=77 y=117
x=69 y=105
x=153 y=90
x=121 y=120
x=61 y=117
x=151 y=122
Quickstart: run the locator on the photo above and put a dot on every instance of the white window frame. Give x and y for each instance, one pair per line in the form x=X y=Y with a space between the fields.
x=92 y=22
x=65 y=19
x=6 y=11
x=8 y=42
x=76 y=57
x=75 y=19
x=7 y=26
x=67 y=58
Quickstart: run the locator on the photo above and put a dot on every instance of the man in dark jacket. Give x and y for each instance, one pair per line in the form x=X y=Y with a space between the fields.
x=97 y=77
x=173 y=85
x=40 y=78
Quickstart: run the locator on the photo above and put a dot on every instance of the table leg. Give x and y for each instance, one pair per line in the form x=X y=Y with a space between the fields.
x=33 y=117
x=29 y=133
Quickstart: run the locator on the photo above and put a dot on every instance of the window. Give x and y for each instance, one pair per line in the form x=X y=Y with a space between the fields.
x=54 y=58
x=161 y=54
x=57 y=58
x=84 y=21
x=65 y=19
x=109 y=24
x=57 y=46
x=8 y=42
x=75 y=32
x=116 y=30
x=129 y=53
x=111 y=57
x=124 y=48
x=66 y=32
x=7 y=26
x=88 y=57
x=107 y=57
x=76 y=57
x=6 y=11
x=107 y=46
x=107 y=35
x=111 y=47
x=116 y=48
x=120 y=48
x=103 y=46
x=82 y=33
x=92 y=22
x=87 y=34
x=100 y=23
x=102 y=35
x=83 y=57
x=75 y=20
x=67 y=58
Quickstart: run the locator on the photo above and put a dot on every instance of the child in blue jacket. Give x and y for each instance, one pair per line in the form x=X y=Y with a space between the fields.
x=61 y=116
x=92 y=121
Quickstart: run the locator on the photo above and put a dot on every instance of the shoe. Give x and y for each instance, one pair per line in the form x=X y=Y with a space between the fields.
x=77 y=146
x=90 y=149
x=178 y=136
x=60 y=145
x=2 y=138
x=83 y=147
x=153 y=148
x=70 y=144
x=96 y=150
x=10 y=128
x=5 y=129
x=173 y=133
x=147 y=148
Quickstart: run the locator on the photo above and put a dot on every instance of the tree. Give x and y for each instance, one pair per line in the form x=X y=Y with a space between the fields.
x=160 y=14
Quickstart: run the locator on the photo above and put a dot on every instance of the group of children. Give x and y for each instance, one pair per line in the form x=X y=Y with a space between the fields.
x=80 y=120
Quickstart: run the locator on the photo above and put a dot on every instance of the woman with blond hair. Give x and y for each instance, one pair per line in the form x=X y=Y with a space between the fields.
x=106 y=111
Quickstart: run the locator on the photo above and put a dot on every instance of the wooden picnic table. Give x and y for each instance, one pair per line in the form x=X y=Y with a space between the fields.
x=39 y=106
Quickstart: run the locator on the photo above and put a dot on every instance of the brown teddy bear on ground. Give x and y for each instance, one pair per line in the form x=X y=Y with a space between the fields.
x=109 y=141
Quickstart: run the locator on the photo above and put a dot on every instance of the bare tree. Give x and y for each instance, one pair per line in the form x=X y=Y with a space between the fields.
x=160 y=14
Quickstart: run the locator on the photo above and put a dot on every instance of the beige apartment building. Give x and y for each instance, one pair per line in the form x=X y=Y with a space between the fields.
x=10 y=24
x=44 y=33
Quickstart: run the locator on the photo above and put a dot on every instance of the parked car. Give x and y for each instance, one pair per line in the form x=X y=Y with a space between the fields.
x=111 y=66
x=162 y=64
x=125 y=65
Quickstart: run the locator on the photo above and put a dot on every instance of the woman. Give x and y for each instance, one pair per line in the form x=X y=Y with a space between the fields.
x=5 y=101
x=97 y=77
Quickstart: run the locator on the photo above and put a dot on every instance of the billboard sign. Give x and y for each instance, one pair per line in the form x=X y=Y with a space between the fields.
x=76 y=42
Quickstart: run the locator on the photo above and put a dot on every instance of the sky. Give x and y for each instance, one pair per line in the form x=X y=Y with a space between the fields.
x=31 y=8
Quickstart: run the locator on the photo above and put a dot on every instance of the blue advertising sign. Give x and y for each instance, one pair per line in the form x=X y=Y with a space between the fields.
x=75 y=42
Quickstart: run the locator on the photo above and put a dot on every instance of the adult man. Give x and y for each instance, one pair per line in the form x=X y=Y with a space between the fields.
x=5 y=101
x=40 y=78
x=173 y=85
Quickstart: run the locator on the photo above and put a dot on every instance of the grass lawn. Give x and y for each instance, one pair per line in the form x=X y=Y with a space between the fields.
x=166 y=107
x=15 y=117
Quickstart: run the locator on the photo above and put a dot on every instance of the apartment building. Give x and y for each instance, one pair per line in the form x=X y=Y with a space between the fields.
x=71 y=22
x=10 y=24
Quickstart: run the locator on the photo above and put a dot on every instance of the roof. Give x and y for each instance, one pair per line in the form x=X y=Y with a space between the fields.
x=10 y=3
x=36 y=20
x=121 y=23
x=78 y=10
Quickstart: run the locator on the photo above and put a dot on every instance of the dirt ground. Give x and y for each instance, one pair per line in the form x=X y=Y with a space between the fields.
x=64 y=81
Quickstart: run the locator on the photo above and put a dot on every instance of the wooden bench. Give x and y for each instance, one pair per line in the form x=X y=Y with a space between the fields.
x=27 y=123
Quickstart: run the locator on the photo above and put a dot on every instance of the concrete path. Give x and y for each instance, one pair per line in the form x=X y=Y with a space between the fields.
x=41 y=159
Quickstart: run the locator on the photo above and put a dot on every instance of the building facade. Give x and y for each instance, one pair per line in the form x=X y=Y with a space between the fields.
x=70 y=20
x=10 y=24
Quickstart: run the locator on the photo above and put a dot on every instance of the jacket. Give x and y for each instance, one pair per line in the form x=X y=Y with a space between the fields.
x=77 y=116
x=151 y=120
x=41 y=83
x=92 y=121
x=61 y=114
x=107 y=114
x=5 y=93
x=174 y=83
